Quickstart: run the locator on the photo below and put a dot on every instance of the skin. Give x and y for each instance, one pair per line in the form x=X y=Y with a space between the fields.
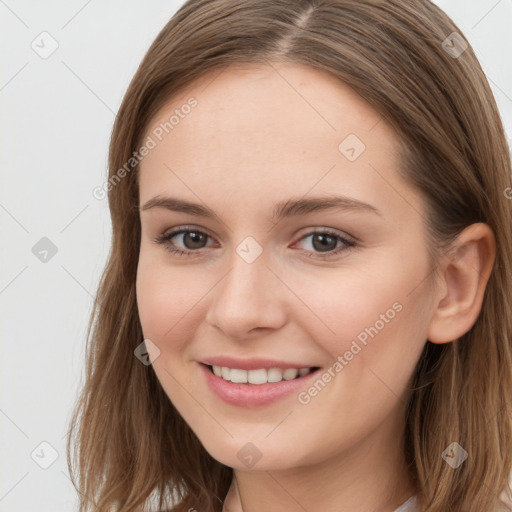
x=261 y=134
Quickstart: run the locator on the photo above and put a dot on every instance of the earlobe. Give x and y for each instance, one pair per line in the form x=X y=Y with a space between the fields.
x=464 y=271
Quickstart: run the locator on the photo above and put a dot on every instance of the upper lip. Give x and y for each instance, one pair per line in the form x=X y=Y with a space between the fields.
x=252 y=364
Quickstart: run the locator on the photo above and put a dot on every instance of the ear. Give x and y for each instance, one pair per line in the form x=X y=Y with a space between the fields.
x=464 y=272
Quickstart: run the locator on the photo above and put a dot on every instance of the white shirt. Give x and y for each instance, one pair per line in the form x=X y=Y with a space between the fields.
x=411 y=506
x=408 y=506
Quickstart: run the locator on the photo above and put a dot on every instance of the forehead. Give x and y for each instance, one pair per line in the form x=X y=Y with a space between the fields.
x=262 y=132
x=240 y=97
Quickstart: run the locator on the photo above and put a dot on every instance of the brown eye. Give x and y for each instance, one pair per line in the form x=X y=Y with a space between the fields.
x=322 y=242
x=183 y=241
x=193 y=239
x=325 y=243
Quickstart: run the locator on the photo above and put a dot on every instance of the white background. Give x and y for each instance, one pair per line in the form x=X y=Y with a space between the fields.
x=57 y=115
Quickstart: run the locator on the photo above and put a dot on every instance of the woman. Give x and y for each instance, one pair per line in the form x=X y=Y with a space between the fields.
x=307 y=301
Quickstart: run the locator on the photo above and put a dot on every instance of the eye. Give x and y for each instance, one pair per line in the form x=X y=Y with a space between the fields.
x=324 y=242
x=191 y=239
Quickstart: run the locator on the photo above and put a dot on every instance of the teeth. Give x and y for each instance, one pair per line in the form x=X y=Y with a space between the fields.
x=255 y=376
x=274 y=375
x=290 y=373
x=260 y=376
x=239 y=376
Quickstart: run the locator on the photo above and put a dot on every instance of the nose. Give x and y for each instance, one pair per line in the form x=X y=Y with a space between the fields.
x=247 y=299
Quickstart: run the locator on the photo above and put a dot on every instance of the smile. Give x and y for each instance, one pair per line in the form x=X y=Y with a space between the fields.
x=256 y=387
x=259 y=376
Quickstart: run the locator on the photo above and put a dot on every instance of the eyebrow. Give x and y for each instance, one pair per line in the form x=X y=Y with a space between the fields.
x=288 y=208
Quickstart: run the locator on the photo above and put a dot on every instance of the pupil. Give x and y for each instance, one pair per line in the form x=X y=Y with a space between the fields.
x=195 y=238
x=326 y=242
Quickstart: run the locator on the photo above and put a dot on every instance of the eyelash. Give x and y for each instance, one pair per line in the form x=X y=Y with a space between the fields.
x=348 y=243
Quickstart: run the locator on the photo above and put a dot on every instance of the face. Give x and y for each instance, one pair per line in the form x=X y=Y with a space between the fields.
x=305 y=249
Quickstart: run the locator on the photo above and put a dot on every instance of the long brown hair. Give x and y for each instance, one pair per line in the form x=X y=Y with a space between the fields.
x=131 y=444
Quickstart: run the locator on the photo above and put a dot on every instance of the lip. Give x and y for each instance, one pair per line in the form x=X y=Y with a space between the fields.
x=253 y=395
x=253 y=364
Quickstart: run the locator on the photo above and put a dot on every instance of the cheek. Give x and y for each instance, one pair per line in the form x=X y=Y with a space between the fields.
x=379 y=338
x=167 y=299
x=373 y=324
x=341 y=305
x=169 y=307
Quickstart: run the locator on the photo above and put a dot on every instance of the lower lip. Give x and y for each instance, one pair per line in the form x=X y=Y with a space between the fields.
x=252 y=395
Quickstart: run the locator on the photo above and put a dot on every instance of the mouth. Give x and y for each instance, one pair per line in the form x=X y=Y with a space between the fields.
x=256 y=387
x=259 y=376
